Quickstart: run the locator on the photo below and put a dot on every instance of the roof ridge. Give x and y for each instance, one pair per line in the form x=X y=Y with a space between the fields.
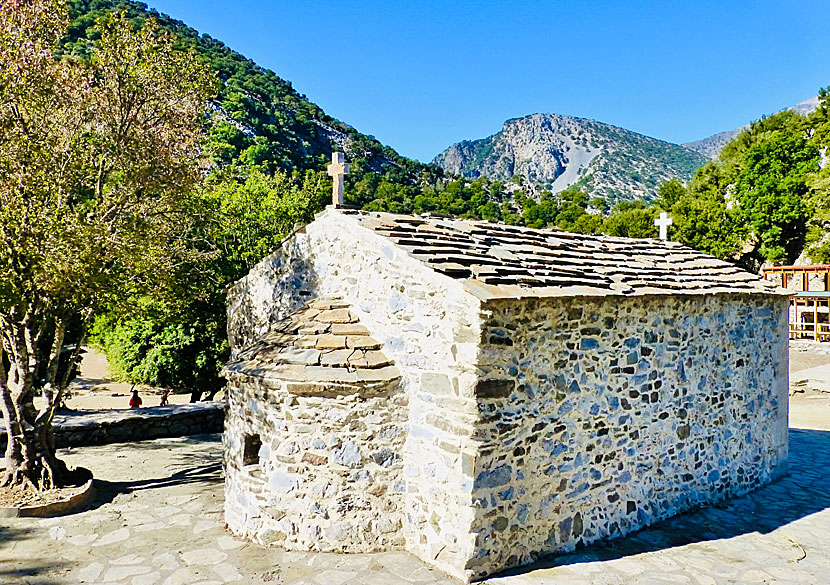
x=503 y=261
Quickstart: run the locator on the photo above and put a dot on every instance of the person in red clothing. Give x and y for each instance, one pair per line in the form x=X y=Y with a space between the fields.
x=135 y=400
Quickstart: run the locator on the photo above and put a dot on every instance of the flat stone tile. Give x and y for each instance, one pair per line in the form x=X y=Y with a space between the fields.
x=204 y=556
x=147 y=579
x=113 y=537
x=130 y=559
x=122 y=573
x=334 y=577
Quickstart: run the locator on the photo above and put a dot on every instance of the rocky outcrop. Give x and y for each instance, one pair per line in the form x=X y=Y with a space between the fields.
x=710 y=147
x=560 y=151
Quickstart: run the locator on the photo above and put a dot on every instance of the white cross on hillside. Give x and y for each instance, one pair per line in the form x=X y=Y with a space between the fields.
x=663 y=222
x=337 y=170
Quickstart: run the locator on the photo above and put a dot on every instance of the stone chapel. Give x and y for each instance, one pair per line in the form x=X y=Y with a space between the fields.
x=480 y=394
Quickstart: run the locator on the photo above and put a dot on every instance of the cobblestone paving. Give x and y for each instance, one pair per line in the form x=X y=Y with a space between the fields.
x=157 y=520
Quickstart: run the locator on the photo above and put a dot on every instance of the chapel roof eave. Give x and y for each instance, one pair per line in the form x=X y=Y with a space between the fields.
x=318 y=383
x=486 y=293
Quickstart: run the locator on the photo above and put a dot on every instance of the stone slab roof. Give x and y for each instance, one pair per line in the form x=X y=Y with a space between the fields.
x=502 y=261
x=322 y=348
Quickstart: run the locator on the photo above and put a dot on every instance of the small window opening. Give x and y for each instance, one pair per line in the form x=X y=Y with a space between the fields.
x=250 y=452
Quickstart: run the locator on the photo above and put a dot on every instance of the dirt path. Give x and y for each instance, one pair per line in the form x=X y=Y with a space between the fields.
x=95 y=389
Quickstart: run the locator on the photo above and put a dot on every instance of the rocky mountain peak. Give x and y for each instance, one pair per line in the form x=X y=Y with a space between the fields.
x=559 y=151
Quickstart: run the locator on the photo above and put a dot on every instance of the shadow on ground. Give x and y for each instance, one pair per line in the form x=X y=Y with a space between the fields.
x=15 y=570
x=199 y=470
x=803 y=491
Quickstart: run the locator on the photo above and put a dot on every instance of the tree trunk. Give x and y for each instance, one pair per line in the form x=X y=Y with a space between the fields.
x=20 y=460
x=54 y=471
x=16 y=470
x=30 y=451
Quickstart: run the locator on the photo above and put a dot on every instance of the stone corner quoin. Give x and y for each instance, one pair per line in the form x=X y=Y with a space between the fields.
x=507 y=425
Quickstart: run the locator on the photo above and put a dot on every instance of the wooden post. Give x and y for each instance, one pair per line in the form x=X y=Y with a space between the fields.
x=799 y=322
x=815 y=319
x=801 y=326
x=793 y=318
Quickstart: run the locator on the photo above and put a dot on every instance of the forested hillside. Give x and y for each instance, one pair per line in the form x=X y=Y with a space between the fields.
x=267 y=146
x=259 y=118
x=259 y=121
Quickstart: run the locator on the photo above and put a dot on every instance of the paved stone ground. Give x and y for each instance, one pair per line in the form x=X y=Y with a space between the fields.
x=157 y=520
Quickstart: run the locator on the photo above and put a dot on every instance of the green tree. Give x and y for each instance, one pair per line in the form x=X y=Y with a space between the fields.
x=818 y=198
x=572 y=206
x=670 y=193
x=97 y=159
x=706 y=224
x=763 y=200
x=181 y=344
x=771 y=188
x=631 y=219
x=589 y=223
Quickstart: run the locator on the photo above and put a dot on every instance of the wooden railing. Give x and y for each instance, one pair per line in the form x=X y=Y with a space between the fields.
x=790 y=272
x=810 y=316
x=809 y=309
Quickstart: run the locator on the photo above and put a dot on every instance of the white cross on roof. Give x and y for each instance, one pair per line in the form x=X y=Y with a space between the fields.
x=663 y=222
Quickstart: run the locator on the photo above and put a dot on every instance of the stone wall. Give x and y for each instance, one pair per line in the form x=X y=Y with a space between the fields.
x=616 y=413
x=328 y=475
x=429 y=327
x=78 y=429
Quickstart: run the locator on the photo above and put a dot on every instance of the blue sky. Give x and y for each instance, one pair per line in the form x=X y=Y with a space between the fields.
x=420 y=76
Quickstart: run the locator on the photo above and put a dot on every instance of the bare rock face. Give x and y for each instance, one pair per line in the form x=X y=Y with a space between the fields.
x=561 y=151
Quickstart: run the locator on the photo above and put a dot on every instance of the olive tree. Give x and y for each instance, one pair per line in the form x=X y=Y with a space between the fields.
x=98 y=158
